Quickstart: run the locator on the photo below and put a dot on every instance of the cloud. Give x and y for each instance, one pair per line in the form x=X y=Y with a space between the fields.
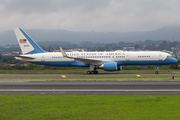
x=91 y=15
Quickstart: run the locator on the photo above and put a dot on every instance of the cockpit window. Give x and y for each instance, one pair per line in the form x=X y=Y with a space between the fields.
x=169 y=56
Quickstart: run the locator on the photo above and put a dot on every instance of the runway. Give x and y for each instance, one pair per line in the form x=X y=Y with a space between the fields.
x=90 y=87
x=28 y=76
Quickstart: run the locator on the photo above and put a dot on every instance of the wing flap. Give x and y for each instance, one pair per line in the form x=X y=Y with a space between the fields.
x=89 y=61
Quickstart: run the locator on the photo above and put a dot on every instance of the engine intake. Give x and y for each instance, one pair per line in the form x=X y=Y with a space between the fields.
x=111 y=66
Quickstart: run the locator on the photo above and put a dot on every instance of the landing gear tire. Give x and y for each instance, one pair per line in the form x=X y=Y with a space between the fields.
x=92 y=72
x=96 y=72
x=157 y=72
x=88 y=72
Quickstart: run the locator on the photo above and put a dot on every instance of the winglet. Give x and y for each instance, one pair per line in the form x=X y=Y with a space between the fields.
x=63 y=53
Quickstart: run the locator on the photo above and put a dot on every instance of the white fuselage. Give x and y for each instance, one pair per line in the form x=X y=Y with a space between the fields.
x=101 y=56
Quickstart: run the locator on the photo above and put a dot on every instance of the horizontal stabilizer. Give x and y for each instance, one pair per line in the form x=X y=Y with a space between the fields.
x=25 y=57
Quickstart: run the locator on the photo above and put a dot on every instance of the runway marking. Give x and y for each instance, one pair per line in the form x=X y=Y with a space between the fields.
x=63 y=76
x=138 y=75
x=82 y=90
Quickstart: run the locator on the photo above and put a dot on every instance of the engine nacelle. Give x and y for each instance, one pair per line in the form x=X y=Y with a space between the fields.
x=111 y=66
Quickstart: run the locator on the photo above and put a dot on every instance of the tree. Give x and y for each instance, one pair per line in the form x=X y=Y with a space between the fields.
x=164 y=46
x=0 y=56
x=137 y=46
x=9 y=59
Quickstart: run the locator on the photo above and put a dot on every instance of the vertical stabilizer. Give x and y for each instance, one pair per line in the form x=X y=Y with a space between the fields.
x=27 y=45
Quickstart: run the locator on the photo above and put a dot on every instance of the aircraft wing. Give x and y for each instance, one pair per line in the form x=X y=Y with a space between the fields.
x=83 y=60
x=25 y=57
x=88 y=61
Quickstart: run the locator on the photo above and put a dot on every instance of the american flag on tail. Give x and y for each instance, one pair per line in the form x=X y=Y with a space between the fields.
x=22 y=40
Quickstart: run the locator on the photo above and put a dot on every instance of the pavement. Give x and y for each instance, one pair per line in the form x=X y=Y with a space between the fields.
x=28 y=76
x=90 y=87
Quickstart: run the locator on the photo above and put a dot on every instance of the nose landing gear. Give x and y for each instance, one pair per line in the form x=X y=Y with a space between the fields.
x=156 y=72
x=157 y=69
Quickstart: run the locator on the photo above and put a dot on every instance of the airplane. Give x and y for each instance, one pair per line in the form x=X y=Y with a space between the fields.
x=109 y=61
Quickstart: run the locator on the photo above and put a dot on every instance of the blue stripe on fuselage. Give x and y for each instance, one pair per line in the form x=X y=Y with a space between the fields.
x=168 y=61
x=63 y=64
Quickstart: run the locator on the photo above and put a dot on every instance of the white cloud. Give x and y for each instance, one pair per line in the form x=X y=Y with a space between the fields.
x=94 y=15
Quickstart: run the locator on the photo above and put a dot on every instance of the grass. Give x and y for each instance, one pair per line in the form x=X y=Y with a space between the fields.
x=83 y=71
x=98 y=79
x=175 y=71
x=26 y=107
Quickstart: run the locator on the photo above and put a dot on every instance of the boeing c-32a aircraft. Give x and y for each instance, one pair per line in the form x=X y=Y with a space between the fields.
x=109 y=61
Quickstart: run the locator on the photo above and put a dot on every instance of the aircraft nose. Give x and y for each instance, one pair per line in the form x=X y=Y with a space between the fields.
x=174 y=60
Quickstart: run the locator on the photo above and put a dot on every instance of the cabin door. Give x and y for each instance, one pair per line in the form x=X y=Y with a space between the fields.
x=127 y=57
x=160 y=57
x=42 y=59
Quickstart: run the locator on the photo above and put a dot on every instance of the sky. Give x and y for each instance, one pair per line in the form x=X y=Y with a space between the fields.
x=89 y=15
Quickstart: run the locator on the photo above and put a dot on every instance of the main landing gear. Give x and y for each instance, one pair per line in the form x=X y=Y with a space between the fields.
x=92 y=70
x=157 y=72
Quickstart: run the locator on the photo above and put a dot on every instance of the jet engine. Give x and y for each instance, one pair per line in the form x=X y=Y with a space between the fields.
x=111 y=66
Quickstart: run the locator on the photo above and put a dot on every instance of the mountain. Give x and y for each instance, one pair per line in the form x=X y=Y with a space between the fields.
x=39 y=35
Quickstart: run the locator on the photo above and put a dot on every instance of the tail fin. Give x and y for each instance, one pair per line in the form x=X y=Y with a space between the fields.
x=27 y=45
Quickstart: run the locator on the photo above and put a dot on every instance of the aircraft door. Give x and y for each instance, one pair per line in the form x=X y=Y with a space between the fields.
x=160 y=57
x=127 y=57
x=42 y=59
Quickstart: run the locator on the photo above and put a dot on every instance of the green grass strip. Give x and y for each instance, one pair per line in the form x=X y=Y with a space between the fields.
x=81 y=71
x=99 y=79
x=26 y=107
